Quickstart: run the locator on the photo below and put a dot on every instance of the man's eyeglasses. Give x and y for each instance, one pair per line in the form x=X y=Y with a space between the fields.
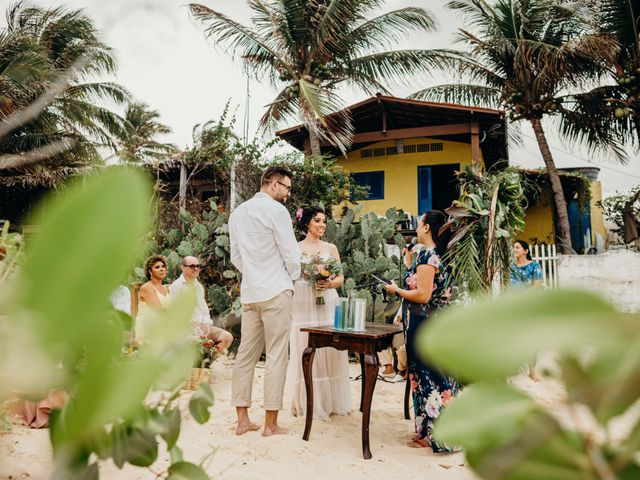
x=193 y=267
x=288 y=187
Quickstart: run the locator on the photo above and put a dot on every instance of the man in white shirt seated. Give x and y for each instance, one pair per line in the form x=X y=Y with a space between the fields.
x=202 y=323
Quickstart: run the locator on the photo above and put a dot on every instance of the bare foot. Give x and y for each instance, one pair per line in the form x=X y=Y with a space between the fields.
x=269 y=431
x=243 y=428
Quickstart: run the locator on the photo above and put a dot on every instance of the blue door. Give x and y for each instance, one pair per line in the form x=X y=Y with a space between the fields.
x=579 y=223
x=424 y=190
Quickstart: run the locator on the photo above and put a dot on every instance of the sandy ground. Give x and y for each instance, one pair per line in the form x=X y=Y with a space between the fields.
x=333 y=451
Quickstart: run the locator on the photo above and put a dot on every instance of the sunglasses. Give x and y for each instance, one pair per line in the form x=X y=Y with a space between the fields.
x=193 y=267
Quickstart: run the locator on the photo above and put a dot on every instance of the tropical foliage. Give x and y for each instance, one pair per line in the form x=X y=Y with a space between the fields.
x=508 y=435
x=364 y=251
x=50 y=103
x=486 y=218
x=140 y=143
x=614 y=109
x=307 y=48
x=613 y=208
x=530 y=58
x=63 y=335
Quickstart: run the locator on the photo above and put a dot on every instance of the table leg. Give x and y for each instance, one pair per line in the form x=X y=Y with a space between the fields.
x=307 y=364
x=371 y=374
x=407 y=392
x=363 y=379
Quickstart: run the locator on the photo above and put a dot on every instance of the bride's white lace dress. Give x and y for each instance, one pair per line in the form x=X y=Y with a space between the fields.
x=331 y=383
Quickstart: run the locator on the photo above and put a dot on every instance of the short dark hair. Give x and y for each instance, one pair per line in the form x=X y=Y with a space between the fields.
x=150 y=262
x=274 y=173
x=525 y=247
x=308 y=213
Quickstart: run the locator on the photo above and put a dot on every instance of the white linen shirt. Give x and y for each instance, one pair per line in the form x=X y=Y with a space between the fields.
x=201 y=311
x=263 y=248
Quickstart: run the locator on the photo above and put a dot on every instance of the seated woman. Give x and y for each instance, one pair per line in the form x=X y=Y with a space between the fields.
x=525 y=272
x=153 y=295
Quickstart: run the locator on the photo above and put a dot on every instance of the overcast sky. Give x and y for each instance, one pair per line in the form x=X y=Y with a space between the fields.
x=165 y=61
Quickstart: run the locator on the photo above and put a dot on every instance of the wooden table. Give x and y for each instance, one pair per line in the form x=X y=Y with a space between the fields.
x=367 y=344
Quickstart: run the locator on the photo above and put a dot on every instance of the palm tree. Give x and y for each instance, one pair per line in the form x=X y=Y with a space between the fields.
x=309 y=47
x=140 y=144
x=527 y=56
x=49 y=59
x=613 y=110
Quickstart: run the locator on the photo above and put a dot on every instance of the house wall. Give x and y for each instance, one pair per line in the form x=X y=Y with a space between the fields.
x=598 y=230
x=614 y=275
x=539 y=220
x=401 y=170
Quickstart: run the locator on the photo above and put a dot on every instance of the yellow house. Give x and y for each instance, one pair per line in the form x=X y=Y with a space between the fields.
x=586 y=218
x=407 y=151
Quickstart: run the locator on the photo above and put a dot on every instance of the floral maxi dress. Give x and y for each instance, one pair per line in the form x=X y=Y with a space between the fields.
x=432 y=389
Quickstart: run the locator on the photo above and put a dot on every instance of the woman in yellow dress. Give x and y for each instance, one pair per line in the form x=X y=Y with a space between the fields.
x=153 y=295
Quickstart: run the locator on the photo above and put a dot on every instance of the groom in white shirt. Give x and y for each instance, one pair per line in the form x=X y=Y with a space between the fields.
x=264 y=249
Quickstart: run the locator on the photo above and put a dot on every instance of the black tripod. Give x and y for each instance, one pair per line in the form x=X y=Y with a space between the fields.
x=374 y=288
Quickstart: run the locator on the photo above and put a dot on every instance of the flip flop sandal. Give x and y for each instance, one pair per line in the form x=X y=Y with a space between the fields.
x=419 y=443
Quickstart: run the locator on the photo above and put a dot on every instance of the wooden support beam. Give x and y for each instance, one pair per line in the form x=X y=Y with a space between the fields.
x=401 y=133
x=475 y=143
x=307 y=145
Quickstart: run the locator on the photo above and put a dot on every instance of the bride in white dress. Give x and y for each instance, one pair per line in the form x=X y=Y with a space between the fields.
x=331 y=384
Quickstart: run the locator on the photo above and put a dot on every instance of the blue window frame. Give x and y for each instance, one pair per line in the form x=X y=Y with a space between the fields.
x=373 y=180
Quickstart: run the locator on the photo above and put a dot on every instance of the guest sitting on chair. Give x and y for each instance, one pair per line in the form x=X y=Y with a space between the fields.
x=202 y=323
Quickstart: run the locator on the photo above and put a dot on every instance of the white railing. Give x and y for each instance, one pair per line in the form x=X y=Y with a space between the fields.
x=547 y=257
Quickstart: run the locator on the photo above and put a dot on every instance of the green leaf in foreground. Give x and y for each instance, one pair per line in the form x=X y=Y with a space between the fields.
x=200 y=402
x=494 y=338
x=172 y=425
x=89 y=236
x=186 y=471
x=507 y=436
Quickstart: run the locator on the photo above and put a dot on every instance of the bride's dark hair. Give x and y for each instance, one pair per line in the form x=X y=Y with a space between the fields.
x=305 y=215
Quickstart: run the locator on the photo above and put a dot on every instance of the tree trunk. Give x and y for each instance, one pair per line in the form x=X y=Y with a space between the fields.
x=314 y=142
x=564 y=230
x=183 y=186
x=489 y=266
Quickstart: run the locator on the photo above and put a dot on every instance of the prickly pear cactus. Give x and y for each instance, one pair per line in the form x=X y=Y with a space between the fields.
x=363 y=250
x=203 y=233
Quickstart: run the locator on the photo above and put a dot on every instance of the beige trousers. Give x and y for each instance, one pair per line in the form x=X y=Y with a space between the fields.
x=386 y=356
x=264 y=324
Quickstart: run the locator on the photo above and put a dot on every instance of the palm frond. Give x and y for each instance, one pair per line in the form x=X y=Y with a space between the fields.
x=462 y=94
x=237 y=38
x=382 y=31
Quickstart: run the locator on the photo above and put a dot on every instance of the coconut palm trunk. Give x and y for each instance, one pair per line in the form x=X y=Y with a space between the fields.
x=314 y=142
x=562 y=217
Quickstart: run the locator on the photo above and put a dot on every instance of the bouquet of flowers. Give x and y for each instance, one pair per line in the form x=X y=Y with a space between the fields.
x=206 y=350
x=320 y=267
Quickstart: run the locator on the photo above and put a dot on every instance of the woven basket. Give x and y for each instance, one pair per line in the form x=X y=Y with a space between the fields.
x=196 y=377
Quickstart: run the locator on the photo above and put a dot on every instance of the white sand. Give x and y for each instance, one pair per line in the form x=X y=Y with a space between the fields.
x=333 y=451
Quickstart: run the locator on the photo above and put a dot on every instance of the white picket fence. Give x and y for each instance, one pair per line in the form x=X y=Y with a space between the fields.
x=547 y=257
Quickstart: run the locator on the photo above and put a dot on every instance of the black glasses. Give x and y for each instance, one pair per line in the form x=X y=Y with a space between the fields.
x=288 y=187
x=193 y=267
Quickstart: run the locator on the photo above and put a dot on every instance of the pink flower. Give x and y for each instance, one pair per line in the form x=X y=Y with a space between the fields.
x=412 y=281
x=447 y=396
x=299 y=213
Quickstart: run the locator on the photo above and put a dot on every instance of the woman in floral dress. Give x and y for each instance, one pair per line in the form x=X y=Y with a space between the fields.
x=426 y=290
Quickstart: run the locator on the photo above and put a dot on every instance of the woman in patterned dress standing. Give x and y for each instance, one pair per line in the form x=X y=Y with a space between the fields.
x=426 y=289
